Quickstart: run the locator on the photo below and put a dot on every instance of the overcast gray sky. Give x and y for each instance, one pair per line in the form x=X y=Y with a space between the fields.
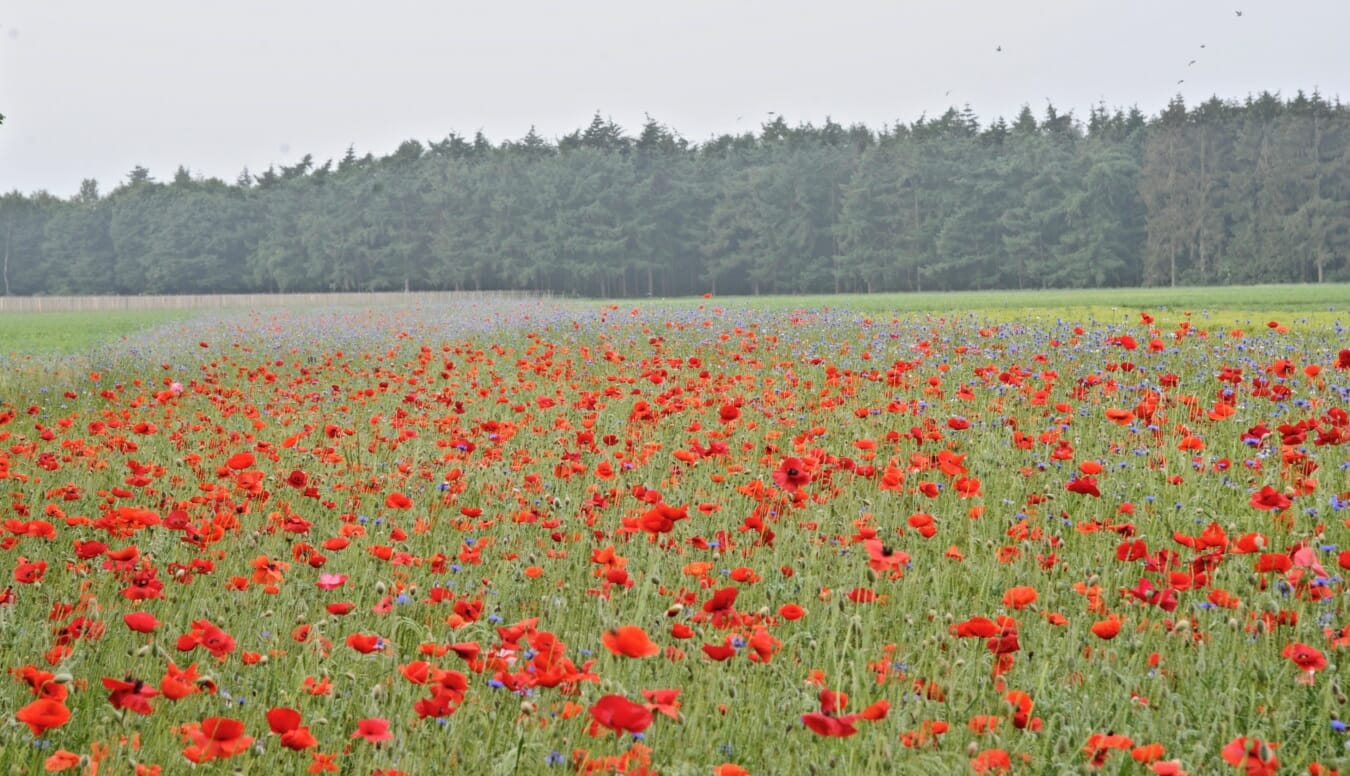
x=91 y=89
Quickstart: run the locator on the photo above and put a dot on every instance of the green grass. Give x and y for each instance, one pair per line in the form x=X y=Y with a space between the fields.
x=74 y=332
x=1227 y=301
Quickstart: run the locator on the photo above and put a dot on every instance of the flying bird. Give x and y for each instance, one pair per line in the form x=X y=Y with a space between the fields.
x=1202 y=45
x=998 y=48
x=1239 y=13
x=1188 y=64
x=1181 y=81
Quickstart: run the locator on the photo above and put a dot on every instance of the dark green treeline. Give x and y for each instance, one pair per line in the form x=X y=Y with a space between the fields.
x=1224 y=192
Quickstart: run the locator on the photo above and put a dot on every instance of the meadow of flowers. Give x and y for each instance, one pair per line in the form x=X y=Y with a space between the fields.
x=527 y=538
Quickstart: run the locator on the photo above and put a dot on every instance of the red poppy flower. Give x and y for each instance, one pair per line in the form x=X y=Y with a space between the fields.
x=373 y=730
x=826 y=725
x=1100 y=745
x=141 y=622
x=1019 y=597
x=662 y=518
x=1268 y=498
x=1106 y=629
x=1086 y=486
x=178 y=683
x=397 y=501
x=365 y=643
x=132 y=694
x=1005 y=643
x=281 y=719
x=792 y=474
x=663 y=702
x=619 y=714
x=975 y=627
x=1309 y=659
x=60 y=761
x=28 y=573
x=206 y=634
x=630 y=641
x=883 y=558
x=991 y=761
x=215 y=738
x=42 y=715
x=723 y=599
x=720 y=652
x=1255 y=756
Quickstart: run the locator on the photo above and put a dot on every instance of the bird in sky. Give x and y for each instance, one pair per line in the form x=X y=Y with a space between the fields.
x=1239 y=13
x=998 y=48
x=1181 y=81
x=1193 y=61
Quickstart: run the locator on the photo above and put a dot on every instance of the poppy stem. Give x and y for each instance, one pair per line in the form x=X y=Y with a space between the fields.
x=520 y=747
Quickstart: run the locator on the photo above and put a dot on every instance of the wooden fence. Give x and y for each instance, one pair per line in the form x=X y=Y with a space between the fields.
x=37 y=304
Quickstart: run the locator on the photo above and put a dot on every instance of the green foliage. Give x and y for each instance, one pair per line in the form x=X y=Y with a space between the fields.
x=1219 y=193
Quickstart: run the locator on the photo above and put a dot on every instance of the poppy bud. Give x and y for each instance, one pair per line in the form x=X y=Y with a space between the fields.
x=380 y=588
x=527 y=708
x=377 y=693
x=268 y=613
x=145 y=650
x=63 y=678
x=675 y=610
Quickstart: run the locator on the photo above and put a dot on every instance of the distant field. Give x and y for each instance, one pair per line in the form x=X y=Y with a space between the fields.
x=76 y=331
x=1226 y=300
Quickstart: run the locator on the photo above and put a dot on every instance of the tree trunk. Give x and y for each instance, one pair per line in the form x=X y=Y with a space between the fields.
x=9 y=230
x=1202 y=205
